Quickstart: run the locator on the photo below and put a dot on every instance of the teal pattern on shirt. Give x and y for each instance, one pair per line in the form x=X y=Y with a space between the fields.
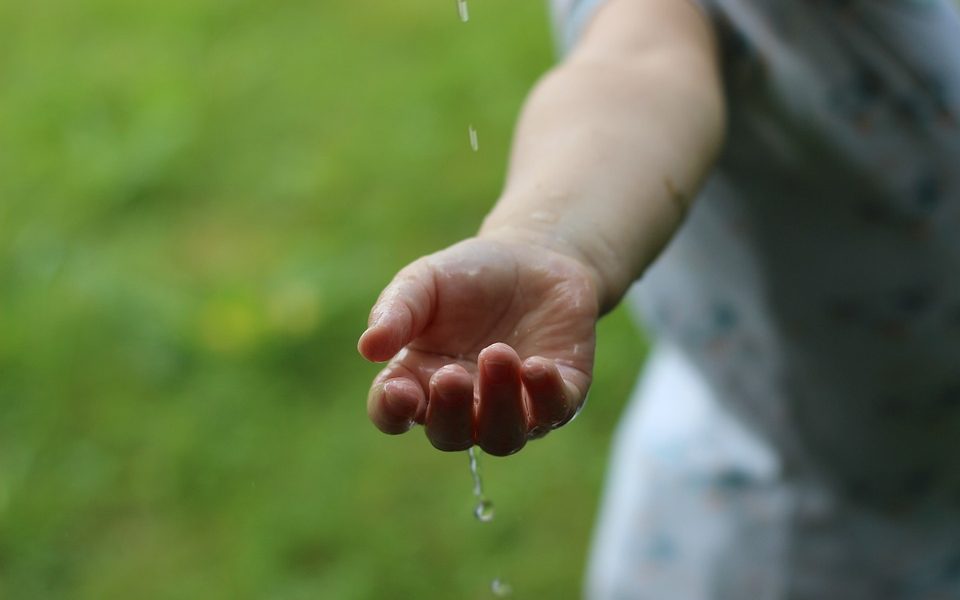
x=815 y=288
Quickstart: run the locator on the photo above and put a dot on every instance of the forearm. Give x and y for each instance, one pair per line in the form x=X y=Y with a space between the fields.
x=612 y=145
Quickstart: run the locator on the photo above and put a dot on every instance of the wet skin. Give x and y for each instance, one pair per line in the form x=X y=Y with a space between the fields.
x=491 y=341
x=487 y=342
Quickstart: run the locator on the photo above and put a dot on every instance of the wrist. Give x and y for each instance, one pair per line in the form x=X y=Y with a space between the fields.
x=546 y=230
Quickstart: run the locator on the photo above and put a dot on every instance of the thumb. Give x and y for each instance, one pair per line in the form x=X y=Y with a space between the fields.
x=402 y=311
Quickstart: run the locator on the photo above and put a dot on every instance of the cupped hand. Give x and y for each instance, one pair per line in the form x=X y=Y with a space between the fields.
x=489 y=342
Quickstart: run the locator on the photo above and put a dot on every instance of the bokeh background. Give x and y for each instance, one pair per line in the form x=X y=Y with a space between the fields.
x=199 y=201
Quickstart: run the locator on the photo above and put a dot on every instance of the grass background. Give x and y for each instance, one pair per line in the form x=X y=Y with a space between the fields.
x=199 y=201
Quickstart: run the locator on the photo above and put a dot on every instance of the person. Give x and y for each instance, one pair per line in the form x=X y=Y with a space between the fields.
x=796 y=431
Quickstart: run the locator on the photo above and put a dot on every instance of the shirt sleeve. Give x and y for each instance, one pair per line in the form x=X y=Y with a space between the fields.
x=570 y=17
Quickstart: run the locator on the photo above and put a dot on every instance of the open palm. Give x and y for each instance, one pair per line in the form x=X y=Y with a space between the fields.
x=488 y=342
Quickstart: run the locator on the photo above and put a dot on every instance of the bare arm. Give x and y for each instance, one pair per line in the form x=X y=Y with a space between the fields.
x=613 y=143
x=491 y=341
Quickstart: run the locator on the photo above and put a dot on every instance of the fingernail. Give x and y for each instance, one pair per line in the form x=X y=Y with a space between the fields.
x=395 y=398
x=537 y=370
x=451 y=395
x=495 y=367
x=389 y=387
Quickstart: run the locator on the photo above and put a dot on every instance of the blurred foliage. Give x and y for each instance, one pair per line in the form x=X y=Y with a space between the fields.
x=199 y=201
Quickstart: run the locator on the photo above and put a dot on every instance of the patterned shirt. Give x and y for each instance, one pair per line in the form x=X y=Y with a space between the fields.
x=815 y=286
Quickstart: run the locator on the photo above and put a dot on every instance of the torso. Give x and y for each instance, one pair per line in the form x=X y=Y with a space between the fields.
x=817 y=281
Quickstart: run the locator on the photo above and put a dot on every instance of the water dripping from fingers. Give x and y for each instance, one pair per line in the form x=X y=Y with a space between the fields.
x=483 y=511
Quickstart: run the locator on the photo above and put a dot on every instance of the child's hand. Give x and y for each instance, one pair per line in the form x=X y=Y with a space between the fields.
x=489 y=342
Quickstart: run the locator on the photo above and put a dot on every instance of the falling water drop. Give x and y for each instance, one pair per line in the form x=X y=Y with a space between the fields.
x=500 y=588
x=474 y=472
x=483 y=511
x=474 y=143
x=464 y=12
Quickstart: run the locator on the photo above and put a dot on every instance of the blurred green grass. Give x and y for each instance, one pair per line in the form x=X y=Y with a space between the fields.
x=199 y=200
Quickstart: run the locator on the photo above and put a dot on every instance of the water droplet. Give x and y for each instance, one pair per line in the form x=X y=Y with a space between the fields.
x=500 y=588
x=473 y=139
x=464 y=12
x=475 y=472
x=484 y=511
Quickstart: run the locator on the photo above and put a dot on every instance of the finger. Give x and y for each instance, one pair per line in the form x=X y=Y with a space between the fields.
x=547 y=394
x=576 y=384
x=418 y=367
x=501 y=418
x=400 y=314
x=449 y=422
x=395 y=401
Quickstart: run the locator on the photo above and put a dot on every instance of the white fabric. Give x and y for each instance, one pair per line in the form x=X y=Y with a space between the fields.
x=797 y=435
